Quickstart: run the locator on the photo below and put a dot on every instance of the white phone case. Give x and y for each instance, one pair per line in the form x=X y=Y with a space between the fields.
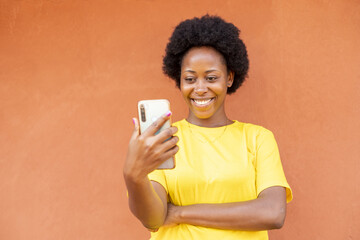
x=149 y=112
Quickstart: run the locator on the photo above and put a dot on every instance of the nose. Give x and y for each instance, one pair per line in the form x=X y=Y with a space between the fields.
x=200 y=87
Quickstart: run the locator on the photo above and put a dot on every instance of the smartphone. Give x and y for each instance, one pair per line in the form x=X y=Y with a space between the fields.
x=149 y=112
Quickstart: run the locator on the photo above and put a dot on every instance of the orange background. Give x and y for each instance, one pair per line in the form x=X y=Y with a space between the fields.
x=71 y=73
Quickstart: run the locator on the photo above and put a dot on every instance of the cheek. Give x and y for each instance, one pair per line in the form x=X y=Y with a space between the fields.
x=220 y=89
x=185 y=91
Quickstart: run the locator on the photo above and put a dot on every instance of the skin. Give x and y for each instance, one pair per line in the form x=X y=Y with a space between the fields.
x=145 y=153
x=204 y=76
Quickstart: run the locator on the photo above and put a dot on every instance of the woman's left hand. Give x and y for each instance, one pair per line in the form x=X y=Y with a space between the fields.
x=173 y=215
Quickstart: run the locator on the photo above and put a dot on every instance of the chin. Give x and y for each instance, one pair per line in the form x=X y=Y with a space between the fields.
x=203 y=115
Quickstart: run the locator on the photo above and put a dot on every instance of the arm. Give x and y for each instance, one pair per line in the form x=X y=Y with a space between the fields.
x=145 y=153
x=146 y=202
x=266 y=212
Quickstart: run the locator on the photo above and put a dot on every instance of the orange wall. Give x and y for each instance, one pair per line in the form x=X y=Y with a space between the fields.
x=72 y=71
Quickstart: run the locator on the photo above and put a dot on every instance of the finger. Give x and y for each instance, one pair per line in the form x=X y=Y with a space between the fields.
x=165 y=134
x=169 y=144
x=136 y=131
x=153 y=230
x=170 y=153
x=155 y=126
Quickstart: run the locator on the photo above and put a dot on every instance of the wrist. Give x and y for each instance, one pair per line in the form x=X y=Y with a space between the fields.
x=180 y=214
x=132 y=178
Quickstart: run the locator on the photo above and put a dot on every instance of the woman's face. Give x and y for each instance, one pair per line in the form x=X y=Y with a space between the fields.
x=204 y=82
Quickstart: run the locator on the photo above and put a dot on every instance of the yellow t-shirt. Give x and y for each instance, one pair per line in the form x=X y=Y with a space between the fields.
x=232 y=163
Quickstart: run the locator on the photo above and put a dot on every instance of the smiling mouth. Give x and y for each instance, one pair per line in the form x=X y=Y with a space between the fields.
x=202 y=102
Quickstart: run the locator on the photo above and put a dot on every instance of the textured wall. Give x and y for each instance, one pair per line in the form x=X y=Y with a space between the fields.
x=72 y=71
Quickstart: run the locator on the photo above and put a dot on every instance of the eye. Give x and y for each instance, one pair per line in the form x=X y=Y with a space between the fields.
x=211 y=78
x=189 y=79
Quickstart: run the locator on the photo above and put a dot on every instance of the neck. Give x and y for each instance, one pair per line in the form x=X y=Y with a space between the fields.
x=217 y=120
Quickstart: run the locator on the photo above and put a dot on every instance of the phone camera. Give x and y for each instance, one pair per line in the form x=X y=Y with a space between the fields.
x=142 y=113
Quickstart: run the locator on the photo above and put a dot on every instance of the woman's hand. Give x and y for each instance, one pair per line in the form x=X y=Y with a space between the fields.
x=147 y=151
x=147 y=201
x=264 y=213
x=173 y=215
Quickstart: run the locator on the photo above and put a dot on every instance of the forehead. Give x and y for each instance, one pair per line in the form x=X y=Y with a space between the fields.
x=203 y=55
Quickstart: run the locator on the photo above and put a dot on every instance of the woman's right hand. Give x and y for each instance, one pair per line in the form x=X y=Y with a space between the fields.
x=147 y=151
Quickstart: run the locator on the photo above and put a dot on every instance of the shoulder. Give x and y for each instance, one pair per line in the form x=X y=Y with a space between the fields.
x=180 y=123
x=251 y=129
x=255 y=135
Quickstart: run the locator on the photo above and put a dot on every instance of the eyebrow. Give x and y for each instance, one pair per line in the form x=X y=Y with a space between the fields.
x=207 y=71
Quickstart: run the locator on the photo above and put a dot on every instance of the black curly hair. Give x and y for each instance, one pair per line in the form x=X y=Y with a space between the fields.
x=210 y=31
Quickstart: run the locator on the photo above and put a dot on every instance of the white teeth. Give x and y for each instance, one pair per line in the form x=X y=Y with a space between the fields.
x=201 y=102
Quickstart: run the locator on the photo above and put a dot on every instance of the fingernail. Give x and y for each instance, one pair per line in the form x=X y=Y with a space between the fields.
x=168 y=113
x=133 y=121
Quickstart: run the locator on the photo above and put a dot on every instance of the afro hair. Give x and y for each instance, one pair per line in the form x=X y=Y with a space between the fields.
x=211 y=31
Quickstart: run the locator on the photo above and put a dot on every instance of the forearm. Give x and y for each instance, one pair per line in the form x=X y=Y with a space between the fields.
x=237 y=216
x=264 y=213
x=144 y=202
x=146 y=151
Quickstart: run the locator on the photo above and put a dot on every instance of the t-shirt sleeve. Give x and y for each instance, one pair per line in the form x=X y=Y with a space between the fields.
x=269 y=170
x=159 y=176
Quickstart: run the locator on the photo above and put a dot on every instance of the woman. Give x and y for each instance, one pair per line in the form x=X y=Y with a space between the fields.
x=228 y=182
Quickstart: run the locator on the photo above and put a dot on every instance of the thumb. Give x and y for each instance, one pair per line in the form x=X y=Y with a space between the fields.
x=136 y=128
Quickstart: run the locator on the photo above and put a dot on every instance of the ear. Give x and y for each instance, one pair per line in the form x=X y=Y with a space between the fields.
x=230 y=80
